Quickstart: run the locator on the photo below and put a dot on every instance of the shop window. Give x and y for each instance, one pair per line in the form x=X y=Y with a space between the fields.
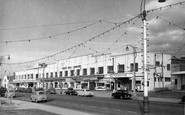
x=72 y=72
x=84 y=85
x=100 y=70
x=168 y=67
x=65 y=85
x=72 y=84
x=84 y=71
x=31 y=76
x=37 y=75
x=110 y=69
x=66 y=73
x=56 y=84
x=167 y=79
x=157 y=63
x=56 y=74
x=60 y=73
x=78 y=72
x=92 y=71
x=175 y=81
x=100 y=86
x=121 y=68
x=51 y=74
x=132 y=67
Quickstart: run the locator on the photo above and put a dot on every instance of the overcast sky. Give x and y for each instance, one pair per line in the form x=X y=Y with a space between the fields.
x=33 y=19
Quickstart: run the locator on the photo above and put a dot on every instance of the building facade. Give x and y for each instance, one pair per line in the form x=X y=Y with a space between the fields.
x=178 y=73
x=99 y=72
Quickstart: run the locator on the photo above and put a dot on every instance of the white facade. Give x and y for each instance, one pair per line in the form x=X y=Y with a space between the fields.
x=100 y=72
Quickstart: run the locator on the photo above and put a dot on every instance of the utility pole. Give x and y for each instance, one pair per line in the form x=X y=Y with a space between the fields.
x=146 y=110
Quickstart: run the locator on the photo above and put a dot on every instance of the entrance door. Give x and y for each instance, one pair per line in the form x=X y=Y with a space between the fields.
x=92 y=85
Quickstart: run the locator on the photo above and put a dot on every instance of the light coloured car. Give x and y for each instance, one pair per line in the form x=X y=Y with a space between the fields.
x=38 y=96
x=10 y=93
x=85 y=93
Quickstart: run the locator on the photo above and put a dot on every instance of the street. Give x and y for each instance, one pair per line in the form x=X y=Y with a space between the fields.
x=108 y=106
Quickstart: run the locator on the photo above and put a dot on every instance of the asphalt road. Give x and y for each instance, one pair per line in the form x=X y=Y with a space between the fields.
x=108 y=106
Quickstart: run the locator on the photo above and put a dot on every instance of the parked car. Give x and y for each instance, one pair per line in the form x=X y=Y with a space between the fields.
x=183 y=99
x=70 y=91
x=85 y=93
x=39 y=96
x=51 y=91
x=121 y=94
x=10 y=93
x=2 y=91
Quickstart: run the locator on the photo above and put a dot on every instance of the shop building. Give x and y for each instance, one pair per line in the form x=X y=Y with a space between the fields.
x=99 y=72
x=178 y=73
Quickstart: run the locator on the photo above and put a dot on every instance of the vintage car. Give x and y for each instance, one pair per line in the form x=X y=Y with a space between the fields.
x=121 y=94
x=70 y=91
x=38 y=96
x=85 y=93
x=10 y=93
x=51 y=91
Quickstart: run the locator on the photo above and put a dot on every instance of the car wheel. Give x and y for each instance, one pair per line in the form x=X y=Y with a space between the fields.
x=31 y=99
x=121 y=97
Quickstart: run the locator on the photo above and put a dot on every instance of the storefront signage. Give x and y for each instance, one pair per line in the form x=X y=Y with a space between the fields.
x=71 y=67
x=77 y=66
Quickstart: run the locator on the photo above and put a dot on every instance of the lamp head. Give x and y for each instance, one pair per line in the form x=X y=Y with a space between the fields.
x=161 y=0
x=8 y=57
x=127 y=48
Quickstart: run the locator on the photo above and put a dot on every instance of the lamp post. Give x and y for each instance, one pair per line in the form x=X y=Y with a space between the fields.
x=134 y=73
x=145 y=68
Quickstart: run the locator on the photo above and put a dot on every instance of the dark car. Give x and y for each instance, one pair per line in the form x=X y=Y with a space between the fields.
x=71 y=91
x=2 y=91
x=121 y=94
x=51 y=91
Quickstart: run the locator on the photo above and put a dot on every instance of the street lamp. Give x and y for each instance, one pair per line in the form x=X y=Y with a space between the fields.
x=134 y=73
x=145 y=68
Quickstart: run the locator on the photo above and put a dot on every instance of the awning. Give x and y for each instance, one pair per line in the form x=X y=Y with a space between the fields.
x=52 y=79
x=25 y=81
x=178 y=73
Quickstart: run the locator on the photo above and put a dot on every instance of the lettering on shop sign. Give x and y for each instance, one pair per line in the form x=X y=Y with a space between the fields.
x=64 y=68
x=77 y=66
x=70 y=67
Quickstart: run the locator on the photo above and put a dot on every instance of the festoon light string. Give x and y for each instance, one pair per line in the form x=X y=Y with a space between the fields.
x=81 y=44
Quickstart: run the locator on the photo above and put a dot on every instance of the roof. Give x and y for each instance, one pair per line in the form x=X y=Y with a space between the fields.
x=178 y=73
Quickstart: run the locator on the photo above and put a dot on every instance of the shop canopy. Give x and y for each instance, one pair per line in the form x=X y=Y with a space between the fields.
x=178 y=73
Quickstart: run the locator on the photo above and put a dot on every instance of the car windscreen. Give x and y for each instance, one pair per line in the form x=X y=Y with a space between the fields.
x=41 y=92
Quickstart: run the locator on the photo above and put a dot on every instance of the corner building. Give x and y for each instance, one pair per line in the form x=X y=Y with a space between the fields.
x=99 y=72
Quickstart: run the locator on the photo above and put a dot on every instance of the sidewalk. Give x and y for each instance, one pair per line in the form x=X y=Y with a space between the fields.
x=48 y=108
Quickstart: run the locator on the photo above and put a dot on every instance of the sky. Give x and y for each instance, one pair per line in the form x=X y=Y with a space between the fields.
x=63 y=24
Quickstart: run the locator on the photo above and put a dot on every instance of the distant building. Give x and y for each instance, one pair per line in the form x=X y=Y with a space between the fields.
x=99 y=72
x=6 y=81
x=178 y=73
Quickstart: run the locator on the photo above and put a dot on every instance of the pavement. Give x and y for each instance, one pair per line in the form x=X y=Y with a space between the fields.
x=18 y=104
